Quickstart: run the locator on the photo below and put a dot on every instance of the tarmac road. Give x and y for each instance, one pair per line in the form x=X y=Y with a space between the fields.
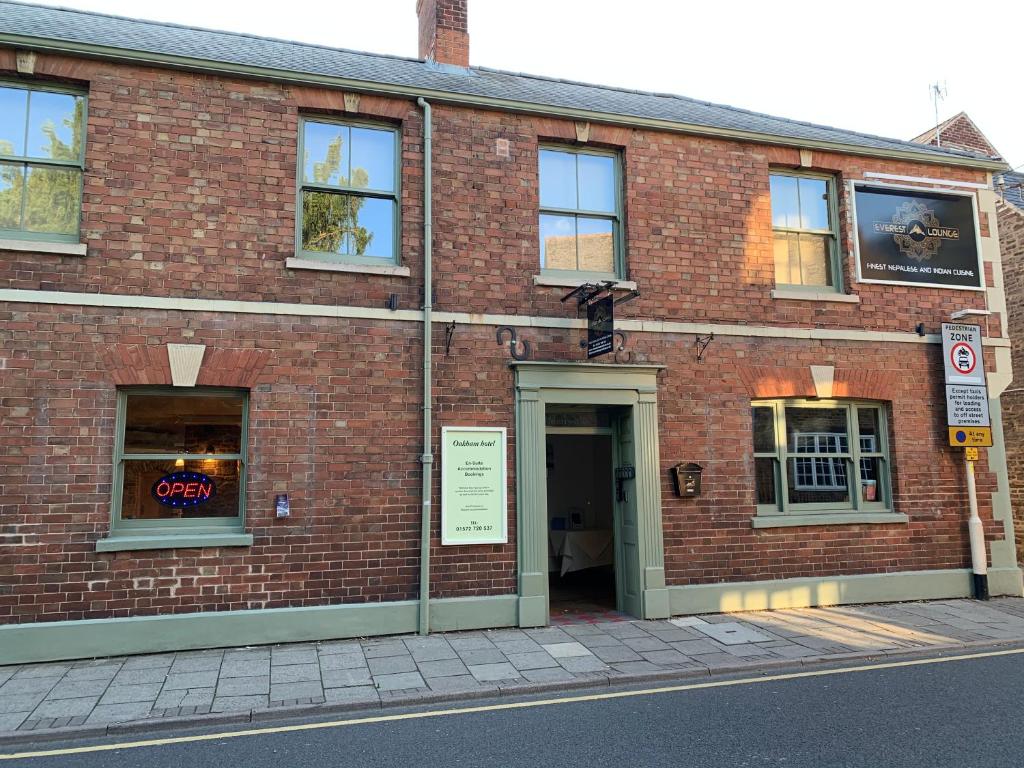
x=962 y=712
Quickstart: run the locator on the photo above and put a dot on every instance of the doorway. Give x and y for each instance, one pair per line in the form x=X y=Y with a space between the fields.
x=621 y=399
x=590 y=473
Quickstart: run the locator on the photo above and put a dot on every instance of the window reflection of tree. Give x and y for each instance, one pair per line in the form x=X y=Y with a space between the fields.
x=327 y=218
x=52 y=194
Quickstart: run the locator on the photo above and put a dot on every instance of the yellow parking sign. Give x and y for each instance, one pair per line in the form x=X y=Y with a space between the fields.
x=963 y=437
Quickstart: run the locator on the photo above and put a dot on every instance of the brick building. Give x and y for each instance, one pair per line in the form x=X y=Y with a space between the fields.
x=960 y=132
x=1010 y=217
x=214 y=286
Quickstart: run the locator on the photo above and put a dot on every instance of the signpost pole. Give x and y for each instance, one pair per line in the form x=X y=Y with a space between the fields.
x=979 y=560
x=969 y=427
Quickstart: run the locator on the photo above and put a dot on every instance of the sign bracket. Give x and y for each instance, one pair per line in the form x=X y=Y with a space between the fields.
x=702 y=343
x=587 y=292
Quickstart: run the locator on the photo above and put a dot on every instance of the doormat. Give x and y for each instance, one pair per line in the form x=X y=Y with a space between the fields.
x=587 y=617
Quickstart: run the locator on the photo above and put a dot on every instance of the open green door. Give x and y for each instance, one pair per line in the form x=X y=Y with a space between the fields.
x=628 y=576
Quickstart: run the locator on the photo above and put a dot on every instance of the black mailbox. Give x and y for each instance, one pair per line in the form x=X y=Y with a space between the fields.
x=686 y=479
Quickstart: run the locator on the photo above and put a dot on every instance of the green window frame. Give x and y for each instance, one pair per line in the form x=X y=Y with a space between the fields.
x=609 y=215
x=355 y=194
x=793 y=231
x=21 y=164
x=827 y=463
x=180 y=527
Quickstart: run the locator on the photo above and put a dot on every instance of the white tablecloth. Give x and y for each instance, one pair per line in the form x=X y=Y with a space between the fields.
x=581 y=549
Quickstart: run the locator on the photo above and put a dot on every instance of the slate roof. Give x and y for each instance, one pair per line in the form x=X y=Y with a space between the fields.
x=19 y=21
x=1013 y=188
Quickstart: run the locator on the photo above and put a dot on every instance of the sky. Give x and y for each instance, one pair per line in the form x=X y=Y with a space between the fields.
x=865 y=66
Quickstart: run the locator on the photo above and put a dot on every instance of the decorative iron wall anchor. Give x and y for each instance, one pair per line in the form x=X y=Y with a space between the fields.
x=622 y=355
x=449 y=332
x=515 y=344
x=702 y=343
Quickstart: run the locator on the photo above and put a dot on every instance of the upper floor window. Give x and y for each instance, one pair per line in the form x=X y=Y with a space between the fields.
x=580 y=212
x=42 y=158
x=820 y=456
x=804 y=220
x=348 y=192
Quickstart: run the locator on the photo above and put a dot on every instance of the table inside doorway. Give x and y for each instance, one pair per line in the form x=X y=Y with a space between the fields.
x=580 y=549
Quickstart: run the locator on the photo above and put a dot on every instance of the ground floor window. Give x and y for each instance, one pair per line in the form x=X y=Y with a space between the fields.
x=825 y=456
x=179 y=460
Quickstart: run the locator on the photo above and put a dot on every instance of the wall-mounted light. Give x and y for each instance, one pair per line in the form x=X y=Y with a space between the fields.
x=179 y=463
x=960 y=314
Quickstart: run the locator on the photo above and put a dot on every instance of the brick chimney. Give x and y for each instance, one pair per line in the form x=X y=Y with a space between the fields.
x=444 y=34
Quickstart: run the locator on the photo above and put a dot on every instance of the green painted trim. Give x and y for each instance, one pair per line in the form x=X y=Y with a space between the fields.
x=190 y=529
x=179 y=304
x=533 y=611
x=836 y=257
x=458 y=613
x=173 y=541
x=1006 y=581
x=839 y=518
x=395 y=196
x=57 y=640
x=1004 y=552
x=30 y=87
x=538 y=385
x=835 y=590
x=783 y=508
x=62 y=248
x=51 y=641
x=617 y=218
x=304 y=78
x=590 y=376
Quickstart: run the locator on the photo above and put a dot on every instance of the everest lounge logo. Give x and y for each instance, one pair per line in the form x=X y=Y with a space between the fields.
x=917 y=231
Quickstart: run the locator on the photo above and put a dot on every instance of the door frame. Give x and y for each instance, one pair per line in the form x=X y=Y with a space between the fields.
x=538 y=385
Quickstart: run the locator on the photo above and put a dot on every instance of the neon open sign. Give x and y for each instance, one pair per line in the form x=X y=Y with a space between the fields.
x=184 y=489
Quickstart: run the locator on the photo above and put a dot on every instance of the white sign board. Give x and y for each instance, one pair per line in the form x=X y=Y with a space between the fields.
x=961 y=354
x=966 y=406
x=474 y=485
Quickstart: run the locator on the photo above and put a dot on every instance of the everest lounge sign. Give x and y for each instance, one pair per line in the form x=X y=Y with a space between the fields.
x=917 y=237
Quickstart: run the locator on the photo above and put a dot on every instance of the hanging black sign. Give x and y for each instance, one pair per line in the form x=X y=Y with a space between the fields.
x=916 y=237
x=600 y=326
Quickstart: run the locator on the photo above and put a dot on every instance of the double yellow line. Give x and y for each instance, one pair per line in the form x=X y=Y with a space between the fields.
x=500 y=707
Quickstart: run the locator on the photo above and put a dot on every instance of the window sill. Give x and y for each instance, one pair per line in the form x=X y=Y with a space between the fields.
x=172 y=541
x=38 y=246
x=576 y=282
x=798 y=295
x=391 y=270
x=830 y=518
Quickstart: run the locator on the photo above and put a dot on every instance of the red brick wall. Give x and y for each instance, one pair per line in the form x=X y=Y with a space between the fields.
x=962 y=133
x=698 y=220
x=335 y=424
x=1011 y=244
x=443 y=31
x=190 y=192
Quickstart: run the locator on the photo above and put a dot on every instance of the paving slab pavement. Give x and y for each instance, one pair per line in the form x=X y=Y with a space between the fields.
x=255 y=683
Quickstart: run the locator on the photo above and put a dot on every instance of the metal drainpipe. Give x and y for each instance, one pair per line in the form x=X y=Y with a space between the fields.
x=427 y=458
